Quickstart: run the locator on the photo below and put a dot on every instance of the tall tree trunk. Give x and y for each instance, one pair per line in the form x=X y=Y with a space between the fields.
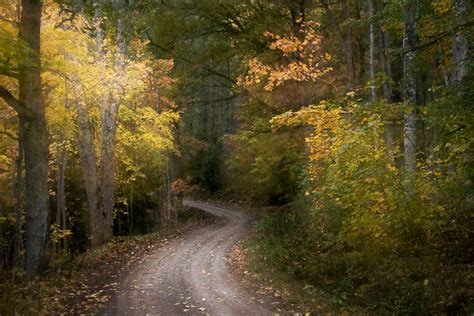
x=212 y=105
x=385 y=63
x=109 y=115
x=32 y=125
x=348 y=48
x=461 y=54
x=17 y=193
x=35 y=139
x=61 y=176
x=460 y=45
x=61 y=161
x=88 y=160
x=409 y=89
x=99 y=230
x=373 y=94
x=166 y=213
x=442 y=63
x=361 y=44
x=345 y=36
x=386 y=68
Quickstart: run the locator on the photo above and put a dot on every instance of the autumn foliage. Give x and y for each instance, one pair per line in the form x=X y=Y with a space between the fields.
x=349 y=123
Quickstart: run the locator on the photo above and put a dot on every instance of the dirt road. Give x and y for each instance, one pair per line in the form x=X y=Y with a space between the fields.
x=190 y=276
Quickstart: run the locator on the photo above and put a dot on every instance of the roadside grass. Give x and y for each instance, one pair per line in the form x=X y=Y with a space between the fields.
x=379 y=286
x=299 y=297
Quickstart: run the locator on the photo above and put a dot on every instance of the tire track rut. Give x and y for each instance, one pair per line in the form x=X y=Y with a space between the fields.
x=190 y=275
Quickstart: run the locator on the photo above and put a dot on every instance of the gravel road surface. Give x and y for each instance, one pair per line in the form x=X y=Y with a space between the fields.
x=190 y=275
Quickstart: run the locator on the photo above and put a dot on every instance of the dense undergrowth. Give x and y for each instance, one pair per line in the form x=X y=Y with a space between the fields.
x=377 y=279
x=365 y=232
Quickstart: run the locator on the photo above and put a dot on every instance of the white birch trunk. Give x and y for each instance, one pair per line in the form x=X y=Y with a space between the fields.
x=409 y=89
x=460 y=45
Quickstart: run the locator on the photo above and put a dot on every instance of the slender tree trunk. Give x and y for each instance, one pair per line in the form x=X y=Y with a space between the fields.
x=346 y=40
x=348 y=48
x=18 y=182
x=409 y=89
x=386 y=68
x=168 y=192
x=132 y=230
x=361 y=44
x=61 y=176
x=442 y=63
x=373 y=93
x=168 y=215
x=17 y=192
x=60 y=186
x=362 y=62
x=461 y=54
x=109 y=114
x=460 y=44
x=212 y=105
x=385 y=63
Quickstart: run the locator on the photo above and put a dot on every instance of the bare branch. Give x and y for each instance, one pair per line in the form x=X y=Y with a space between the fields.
x=455 y=130
x=436 y=38
x=11 y=100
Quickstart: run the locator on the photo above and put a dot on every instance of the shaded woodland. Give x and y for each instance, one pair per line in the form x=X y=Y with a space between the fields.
x=349 y=122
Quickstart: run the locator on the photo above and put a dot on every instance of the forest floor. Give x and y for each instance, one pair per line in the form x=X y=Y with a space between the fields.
x=199 y=267
x=85 y=284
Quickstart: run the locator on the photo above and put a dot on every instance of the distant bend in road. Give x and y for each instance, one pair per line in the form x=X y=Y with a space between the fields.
x=190 y=276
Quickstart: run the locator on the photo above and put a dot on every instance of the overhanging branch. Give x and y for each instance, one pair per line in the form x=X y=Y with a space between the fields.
x=182 y=58
x=11 y=100
x=436 y=38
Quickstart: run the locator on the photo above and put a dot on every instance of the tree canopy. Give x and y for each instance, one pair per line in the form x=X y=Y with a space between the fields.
x=352 y=119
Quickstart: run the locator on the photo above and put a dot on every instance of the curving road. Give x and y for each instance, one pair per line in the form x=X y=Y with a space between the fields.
x=190 y=276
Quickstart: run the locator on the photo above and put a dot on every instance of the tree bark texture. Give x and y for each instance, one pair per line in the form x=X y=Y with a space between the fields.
x=345 y=37
x=88 y=160
x=409 y=89
x=35 y=138
x=460 y=44
x=17 y=196
x=373 y=93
